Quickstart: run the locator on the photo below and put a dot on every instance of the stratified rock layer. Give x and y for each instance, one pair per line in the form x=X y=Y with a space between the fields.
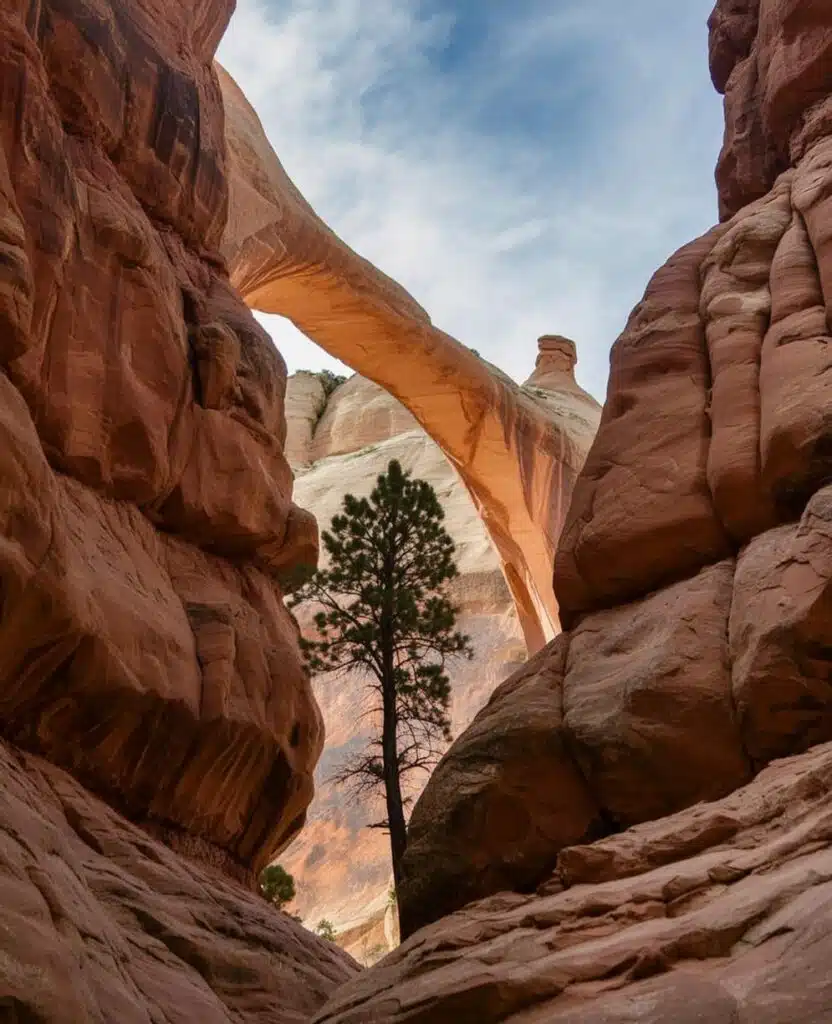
x=721 y=913
x=146 y=505
x=517 y=454
x=102 y=924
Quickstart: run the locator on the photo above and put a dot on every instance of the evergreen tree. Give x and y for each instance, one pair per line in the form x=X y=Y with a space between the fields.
x=382 y=610
x=277 y=885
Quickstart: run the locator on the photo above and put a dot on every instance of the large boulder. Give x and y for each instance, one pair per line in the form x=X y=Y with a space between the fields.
x=720 y=913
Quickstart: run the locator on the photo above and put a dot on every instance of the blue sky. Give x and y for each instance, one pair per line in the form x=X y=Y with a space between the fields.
x=521 y=166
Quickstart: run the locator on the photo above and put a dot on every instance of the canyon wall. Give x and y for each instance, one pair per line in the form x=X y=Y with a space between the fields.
x=517 y=459
x=693 y=578
x=146 y=518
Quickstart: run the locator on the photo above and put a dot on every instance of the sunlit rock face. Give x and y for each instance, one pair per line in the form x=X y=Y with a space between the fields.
x=518 y=455
x=636 y=826
x=146 y=517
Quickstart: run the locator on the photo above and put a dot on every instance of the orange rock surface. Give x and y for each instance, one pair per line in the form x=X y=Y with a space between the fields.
x=102 y=923
x=692 y=576
x=718 y=914
x=518 y=455
x=146 y=509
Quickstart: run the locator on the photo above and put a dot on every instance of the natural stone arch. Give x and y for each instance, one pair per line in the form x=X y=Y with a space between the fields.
x=517 y=449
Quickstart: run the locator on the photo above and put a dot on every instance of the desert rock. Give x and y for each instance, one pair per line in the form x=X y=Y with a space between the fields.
x=718 y=913
x=102 y=923
x=147 y=509
x=505 y=797
x=517 y=459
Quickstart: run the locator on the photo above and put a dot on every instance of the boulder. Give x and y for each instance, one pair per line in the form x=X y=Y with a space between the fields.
x=102 y=923
x=719 y=913
x=505 y=798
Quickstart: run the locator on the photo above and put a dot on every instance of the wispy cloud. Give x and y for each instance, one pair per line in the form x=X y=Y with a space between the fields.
x=519 y=170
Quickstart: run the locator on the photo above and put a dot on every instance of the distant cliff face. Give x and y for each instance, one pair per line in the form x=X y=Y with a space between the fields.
x=340 y=445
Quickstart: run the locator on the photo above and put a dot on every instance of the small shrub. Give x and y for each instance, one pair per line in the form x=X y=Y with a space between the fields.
x=277 y=885
x=325 y=930
x=330 y=381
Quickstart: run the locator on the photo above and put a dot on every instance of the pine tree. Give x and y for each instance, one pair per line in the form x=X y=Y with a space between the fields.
x=277 y=885
x=382 y=611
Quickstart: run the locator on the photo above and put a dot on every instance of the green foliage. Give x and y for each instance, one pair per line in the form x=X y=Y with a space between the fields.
x=392 y=898
x=326 y=930
x=277 y=885
x=382 y=610
x=330 y=381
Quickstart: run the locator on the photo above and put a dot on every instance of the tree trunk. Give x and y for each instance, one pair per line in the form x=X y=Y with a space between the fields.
x=389 y=735
x=392 y=789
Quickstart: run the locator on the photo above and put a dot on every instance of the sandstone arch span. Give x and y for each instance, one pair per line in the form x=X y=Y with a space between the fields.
x=517 y=449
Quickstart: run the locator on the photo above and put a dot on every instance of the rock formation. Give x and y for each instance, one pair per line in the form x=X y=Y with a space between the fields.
x=518 y=461
x=339 y=444
x=718 y=914
x=692 y=577
x=101 y=923
x=145 y=520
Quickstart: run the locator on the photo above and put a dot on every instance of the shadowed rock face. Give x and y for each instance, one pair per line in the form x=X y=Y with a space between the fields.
x=146 y=509
x=693 y=577
x=101 y=923
x=720 y=913
x=518 y=455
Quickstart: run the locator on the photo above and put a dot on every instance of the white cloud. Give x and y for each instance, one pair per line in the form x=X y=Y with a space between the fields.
x=500 y=233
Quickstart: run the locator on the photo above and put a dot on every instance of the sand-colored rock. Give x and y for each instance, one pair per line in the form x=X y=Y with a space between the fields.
x=356 y=434
x=518 y=461
x=720 y=913
x=146 y=504
x=103 y=924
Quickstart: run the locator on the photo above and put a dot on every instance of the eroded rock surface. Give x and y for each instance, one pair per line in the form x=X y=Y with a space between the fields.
x=103 y=924
x=720 y=913
x=517 y=453
x=693 y=568
x=146 y=510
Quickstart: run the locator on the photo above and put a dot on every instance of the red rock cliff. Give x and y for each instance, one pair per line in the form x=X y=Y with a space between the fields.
x=145 y=520
x=694 y=578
